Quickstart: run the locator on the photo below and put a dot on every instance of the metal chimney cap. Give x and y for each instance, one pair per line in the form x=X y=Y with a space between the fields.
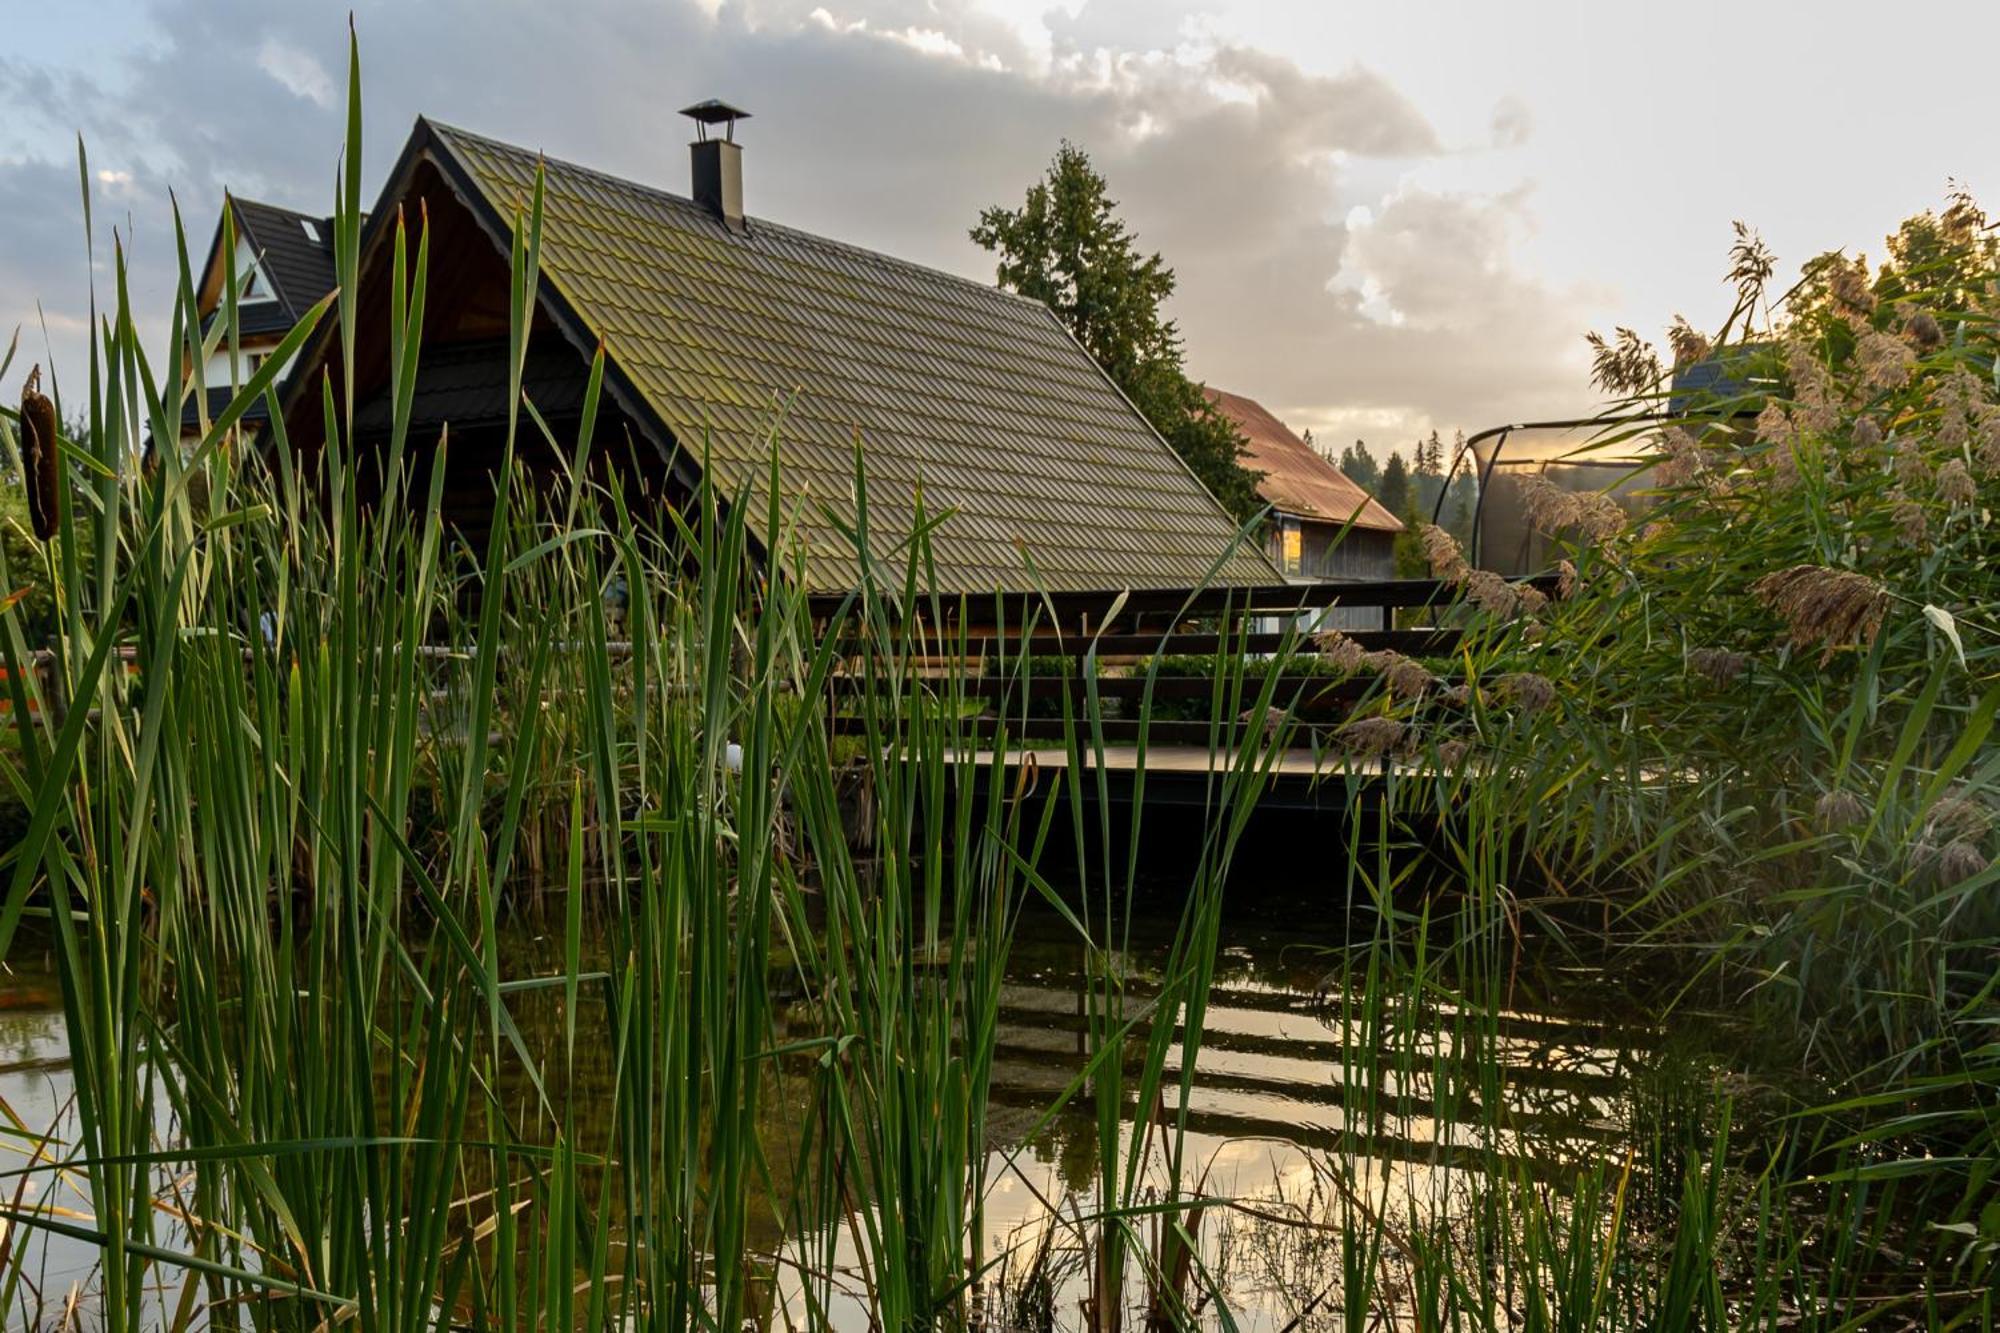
x=715 y=111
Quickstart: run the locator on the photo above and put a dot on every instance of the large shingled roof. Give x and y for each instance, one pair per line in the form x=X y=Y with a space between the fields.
x=977 y=396
x=1297 y=480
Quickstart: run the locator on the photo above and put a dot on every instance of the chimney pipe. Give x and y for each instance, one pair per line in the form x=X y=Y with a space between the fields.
x=718 y=163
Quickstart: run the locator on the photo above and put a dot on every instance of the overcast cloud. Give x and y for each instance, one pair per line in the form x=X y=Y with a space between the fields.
x=1362 y=230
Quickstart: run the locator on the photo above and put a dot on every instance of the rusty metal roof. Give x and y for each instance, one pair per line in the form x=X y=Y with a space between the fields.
x=1296 y=479
x=976 y=396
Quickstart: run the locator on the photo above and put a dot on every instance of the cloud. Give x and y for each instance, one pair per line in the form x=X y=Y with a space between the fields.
x=296 y=71
x=1312 y=273
x=1513 y=123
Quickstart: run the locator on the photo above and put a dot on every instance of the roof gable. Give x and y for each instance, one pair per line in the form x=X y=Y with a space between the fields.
x=979 y=397
x=1296 y=478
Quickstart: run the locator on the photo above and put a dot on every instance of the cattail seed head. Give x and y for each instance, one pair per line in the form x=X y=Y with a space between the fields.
x=41 y=459
x=1453 y=754
x=1867 y=434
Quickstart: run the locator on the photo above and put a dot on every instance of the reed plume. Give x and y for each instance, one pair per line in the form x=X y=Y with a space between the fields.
x=1833 y=608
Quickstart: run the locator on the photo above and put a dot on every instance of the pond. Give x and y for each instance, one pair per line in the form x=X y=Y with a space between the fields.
x=1319 y=1100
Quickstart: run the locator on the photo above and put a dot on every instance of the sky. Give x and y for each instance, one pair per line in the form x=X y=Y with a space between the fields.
x=1386 y=218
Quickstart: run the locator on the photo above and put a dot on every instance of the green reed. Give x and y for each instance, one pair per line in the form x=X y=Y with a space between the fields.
x=277 y=855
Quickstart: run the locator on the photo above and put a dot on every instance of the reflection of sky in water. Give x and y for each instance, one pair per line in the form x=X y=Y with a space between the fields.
x=1287 y=1092
x=35 y=1083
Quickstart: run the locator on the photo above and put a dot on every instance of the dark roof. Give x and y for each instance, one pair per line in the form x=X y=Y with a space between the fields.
x=1296 y=479
x=1740 y=377
x=979 y=397
x=256 y=414
x=300 y=268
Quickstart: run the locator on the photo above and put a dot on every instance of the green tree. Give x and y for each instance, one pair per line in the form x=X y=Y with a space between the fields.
x=1066 y=247
x=1394 y=490
x=1427 y=476
x=1359 y=465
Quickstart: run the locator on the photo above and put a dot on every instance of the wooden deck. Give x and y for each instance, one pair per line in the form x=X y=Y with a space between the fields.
x=1185 y=775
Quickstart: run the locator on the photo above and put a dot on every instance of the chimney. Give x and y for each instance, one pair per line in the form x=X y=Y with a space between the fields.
x=718 y=163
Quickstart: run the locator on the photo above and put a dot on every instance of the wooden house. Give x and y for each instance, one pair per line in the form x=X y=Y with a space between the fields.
x=728 y=336
x=282 y=262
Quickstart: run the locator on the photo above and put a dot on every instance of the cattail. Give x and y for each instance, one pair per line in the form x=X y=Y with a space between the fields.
x=1528 y=599
x=1923 y=331
x=1954 y=483
x=1839 y=809
x=1719 y=666
x=1527 y=691
x=1907 y=516
x=41 y=460
x=1442 y=554
x=1884 y=361
x=1458 y=696
x=1336 y=649
x=1371 y=735
x=1960 y=860
x=1453 y=754
x=1565 y=580
x=1867 y=434
x=1829 y=607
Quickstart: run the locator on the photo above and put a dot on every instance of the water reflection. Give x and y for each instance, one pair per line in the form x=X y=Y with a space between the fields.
x=1305 y=1100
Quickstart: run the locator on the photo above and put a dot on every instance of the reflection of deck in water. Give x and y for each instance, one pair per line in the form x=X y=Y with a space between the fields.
x=1278 y=1065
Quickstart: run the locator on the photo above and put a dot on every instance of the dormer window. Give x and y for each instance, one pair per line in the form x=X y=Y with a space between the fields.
x=256 y=286
x=312 y=232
